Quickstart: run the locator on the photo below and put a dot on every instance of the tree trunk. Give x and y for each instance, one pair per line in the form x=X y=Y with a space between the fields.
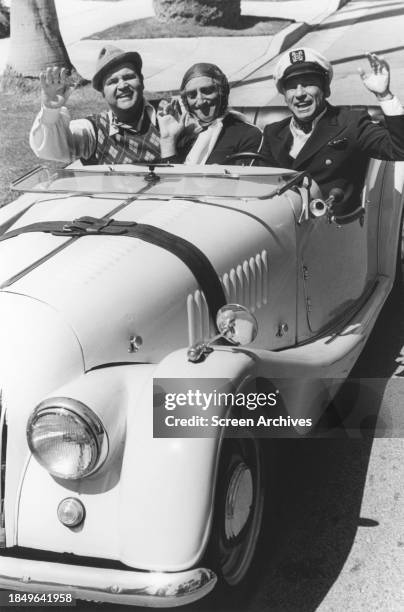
x=35 y=42
x=4 y=21
x=224 y=13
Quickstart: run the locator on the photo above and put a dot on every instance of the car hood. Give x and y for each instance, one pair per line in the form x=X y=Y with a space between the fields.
x=111 y=289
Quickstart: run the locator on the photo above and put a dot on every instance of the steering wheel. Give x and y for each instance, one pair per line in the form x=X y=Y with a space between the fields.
x=245 y=155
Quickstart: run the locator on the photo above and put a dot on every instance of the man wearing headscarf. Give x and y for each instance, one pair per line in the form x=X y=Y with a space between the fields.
x=332 y=143
x=200 y=129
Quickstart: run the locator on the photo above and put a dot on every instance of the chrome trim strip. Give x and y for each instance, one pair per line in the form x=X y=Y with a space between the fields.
x=25 y=176
x=154 y=589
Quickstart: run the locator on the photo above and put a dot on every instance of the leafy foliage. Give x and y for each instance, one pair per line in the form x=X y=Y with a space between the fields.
x=202 y=12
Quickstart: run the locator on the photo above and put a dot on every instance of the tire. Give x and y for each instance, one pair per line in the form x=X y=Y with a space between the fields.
x=238 y=512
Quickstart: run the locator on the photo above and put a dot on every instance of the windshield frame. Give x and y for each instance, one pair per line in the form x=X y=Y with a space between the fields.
x=275 y=178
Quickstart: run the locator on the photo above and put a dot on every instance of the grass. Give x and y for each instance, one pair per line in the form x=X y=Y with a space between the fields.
x=150 y=27
x=18 y=108
x=19 y=105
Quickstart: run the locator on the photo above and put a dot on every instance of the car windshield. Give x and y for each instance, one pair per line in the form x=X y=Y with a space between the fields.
x=223 y=182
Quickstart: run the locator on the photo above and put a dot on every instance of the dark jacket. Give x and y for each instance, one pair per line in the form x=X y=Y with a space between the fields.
x=338 y=150
x=236 y=137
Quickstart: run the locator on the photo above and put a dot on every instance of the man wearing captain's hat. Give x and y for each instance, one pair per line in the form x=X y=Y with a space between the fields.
x=125 y=133
x=333 y=144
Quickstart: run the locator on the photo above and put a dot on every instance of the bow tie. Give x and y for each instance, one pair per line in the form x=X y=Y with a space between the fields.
x=304 y=126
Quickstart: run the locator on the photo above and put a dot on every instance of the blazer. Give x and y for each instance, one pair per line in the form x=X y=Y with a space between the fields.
x=338 y=150
x=236 y=136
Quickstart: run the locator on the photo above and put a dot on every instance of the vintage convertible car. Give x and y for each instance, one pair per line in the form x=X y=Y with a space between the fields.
x=113 y=278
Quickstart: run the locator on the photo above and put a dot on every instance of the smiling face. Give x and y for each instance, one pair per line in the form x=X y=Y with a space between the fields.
x=123 y=90
x=203 y=98
x=305 y=95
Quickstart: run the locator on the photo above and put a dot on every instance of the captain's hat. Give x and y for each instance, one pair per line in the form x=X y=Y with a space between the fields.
x=301 y=61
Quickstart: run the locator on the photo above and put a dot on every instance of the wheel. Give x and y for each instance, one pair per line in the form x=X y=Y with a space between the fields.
x=239 y=509
x=245 y=155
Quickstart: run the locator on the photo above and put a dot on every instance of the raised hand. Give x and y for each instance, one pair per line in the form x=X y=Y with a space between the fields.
x=378 y=79
x=55 y=87
x=171 y=119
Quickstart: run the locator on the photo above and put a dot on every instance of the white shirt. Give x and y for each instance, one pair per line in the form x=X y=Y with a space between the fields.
x=54 y=136
x=389 y=107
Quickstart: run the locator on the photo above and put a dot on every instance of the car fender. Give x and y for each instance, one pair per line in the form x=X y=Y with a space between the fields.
x=38 y=352
x=152 y=499
x=166 y=506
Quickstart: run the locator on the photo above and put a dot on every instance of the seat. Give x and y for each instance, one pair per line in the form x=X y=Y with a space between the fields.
x=263 y=115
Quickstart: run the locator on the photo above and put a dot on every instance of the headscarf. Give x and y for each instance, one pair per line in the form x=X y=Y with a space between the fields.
x=214 y=72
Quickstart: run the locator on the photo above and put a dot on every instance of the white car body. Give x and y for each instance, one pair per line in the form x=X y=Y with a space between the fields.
x=315 y=287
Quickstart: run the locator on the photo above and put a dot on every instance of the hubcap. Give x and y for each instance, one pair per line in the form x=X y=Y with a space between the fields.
x=238 y=509
x=239 y=501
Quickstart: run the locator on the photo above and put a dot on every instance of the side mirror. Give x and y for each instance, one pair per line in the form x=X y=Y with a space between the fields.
x=235 y=323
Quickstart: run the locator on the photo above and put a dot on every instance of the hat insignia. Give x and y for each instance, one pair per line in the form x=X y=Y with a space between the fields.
x=297 y=56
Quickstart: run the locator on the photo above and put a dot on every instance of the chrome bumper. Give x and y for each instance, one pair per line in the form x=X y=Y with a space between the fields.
x=137 y=588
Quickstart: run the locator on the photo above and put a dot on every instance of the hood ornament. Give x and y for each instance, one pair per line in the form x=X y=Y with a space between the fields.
x=135 y=343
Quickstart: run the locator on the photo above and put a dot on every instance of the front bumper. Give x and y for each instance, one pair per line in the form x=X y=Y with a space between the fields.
x=136 y=588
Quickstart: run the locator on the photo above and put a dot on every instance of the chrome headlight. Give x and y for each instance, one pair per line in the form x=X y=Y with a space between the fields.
x=67 y=438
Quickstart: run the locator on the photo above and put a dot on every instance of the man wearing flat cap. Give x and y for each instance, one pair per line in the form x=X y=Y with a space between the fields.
x=125 y=133
x=333 y=144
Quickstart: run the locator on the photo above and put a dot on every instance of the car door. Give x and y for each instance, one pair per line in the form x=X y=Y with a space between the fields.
x=338 y=260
